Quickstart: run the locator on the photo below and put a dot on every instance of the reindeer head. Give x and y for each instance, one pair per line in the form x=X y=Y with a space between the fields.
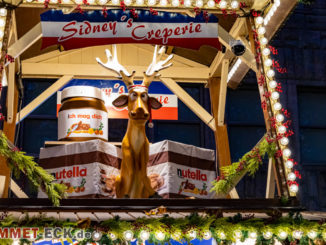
x=138 y=102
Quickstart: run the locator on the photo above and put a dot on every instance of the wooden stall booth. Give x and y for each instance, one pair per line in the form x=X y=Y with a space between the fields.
x=32 y=49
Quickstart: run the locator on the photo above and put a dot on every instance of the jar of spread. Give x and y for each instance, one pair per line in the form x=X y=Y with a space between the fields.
x=82 y=115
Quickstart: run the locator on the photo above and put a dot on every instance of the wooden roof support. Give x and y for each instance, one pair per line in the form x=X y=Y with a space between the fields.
x=94 y=71
x=26 y=41
x=248 y=57
x=190 y=102
x=218 y=89
x=43 y=97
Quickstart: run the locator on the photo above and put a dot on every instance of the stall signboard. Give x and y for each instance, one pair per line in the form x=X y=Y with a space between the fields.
x=113 y=88
x=78 y=30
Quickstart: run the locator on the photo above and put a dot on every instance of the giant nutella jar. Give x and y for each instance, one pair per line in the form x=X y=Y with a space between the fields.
x=82 y=115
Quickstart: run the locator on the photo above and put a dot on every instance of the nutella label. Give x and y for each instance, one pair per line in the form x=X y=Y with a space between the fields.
x=83 y=123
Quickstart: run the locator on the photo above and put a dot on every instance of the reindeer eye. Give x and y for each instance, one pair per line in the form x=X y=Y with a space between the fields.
x=144 y=97
x=133 y=96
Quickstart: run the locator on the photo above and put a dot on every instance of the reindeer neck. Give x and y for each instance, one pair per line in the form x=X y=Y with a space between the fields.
x=136 y=126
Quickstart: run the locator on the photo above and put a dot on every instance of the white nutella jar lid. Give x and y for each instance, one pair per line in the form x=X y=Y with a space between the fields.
x=81 y=91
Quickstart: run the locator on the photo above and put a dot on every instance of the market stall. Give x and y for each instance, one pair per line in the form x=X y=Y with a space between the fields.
x=160 y=191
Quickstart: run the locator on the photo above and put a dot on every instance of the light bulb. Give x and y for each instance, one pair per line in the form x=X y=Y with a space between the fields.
x=207 y=235
x=187 y=3
x=294 y=188
x=53 y=1
x=3 y=12
x=114 y=1
x=151 y=2
x=66 y=1
x=140 y=2
x=287 y=152
x=266 y=51
x=234 y=4
x=211 y=3
x=176 y=235
x=259 y=20
x=175 y=3
x=223 y=4
x=268 y=62
x=252 y=235
x=96 y=235
x=268 y=235
x=237 y=234
x=283 y=235
x=199 y=3
x=29 y=1
x=277 y=3
x=78 y=1
x=261 y=30
x=292 y=176
x=1 y=34
x=264 y=41
x=163 y=2
x=91 y=1
x=297 y=234
x=289 y=164
x=222 y=235
x=113 y=236
x=279 y=118
x=270 y=73
x=277 y=106
x=159 y=235
x=144 y=235
x=312 y=234
x=2 y=22
x=128 y=2
x=281 y=129
x=284 y=141
x=275 y=95
x=128 y=235
x=192 y=234
x=272 y=84
x=0 y=44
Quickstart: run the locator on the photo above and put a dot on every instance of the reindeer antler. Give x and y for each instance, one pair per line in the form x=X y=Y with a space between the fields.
x=114 y=65
x=156 y=66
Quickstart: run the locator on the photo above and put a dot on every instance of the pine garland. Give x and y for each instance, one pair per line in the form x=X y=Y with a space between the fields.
x=224 y=230
x=19 y=162
x=250 y=163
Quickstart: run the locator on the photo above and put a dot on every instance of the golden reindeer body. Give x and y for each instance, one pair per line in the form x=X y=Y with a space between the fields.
x=133 y=181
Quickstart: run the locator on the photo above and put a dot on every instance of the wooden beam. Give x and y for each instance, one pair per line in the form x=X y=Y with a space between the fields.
x=11 y=92
x=43 y=97
x=17 y=190
x=9 y=131
x=218 y=95
x=270 y=185
x=248 y=57
x=95 y=71
x=2 y=184
x=222 y=95
x=25 y=41
x=190 y=102
x=237 y=29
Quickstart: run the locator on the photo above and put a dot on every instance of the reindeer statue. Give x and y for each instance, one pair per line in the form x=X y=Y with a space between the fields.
x=133 y=181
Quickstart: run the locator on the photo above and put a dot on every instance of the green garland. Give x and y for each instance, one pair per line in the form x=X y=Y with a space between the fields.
x=250 y=162
x=226 y=230
x=19 y=162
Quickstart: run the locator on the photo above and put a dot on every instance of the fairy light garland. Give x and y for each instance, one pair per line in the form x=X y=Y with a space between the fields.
x=229 y=5
x=273 y=94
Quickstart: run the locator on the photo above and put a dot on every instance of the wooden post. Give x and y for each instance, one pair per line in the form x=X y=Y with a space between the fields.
x=9 y=125
x=279 y=170
x=217 y=90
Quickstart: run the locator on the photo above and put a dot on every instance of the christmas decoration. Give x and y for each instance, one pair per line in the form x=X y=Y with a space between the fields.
x=39 y=177
x=292 y=228
x=250 y=162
